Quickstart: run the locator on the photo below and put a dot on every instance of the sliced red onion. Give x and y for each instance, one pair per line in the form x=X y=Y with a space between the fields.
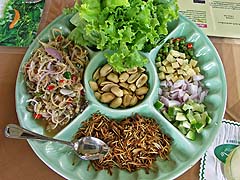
x=198 y=77
x=194 y=97
x=174 y=95
x=184 y=86
x=67 y=92
x=49 y=66
x=178 y=84
x=185 y=97
x=54 y=53
x=169 y=83
x=173 y=103
x=166 y=94
x=202 y=96
x=160 y=91
x=199 y=90
x=192 y=89
x=179 y=92
x=32 y=100
x=163 y=84
x=164 y=100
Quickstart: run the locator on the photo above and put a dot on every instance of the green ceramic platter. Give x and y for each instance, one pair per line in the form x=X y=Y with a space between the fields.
x=184 y=154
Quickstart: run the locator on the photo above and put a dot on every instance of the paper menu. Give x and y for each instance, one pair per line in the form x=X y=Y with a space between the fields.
x=214 y=17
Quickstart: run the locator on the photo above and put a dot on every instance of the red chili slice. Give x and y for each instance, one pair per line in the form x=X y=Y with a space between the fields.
x=177 y=39
x=50 y=87
x=37 y=116
x=189 y=45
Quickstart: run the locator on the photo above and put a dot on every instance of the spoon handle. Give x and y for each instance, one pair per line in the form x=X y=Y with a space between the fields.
x=17 y=132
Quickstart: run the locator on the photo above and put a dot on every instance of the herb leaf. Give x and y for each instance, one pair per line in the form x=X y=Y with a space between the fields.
x=124 y=27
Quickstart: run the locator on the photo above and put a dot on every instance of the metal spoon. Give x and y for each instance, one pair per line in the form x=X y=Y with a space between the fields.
x=87 y=148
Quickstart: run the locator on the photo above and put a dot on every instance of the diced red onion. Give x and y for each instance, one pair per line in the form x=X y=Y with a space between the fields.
x=163 y=83
x=172 y=103
x=198 y=77
x=164 y=100
x=160 y=91
x=185 y=97
x=181 y=91
x=178 y=84
x=49 y=65
x=192 y=89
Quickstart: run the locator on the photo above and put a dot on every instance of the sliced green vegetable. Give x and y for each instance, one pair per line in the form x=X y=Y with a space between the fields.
x=191 y=135
x=199 y=127
x=186 y=107
x=182 y=129
x=171 y=112
x=167 y=116
x=158 y=105
x=208 y=119
x=124 y=27
x=190 y=118
x=67 y=75
x=186 y=124
x=181 y=116
x=198 y=107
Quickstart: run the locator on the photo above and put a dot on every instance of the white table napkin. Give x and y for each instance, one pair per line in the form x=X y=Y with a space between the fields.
x=210 y=168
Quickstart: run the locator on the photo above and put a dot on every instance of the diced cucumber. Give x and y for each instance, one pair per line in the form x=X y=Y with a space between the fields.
x=198 y=107
x=199 y=127
x=197 y=116
x=176 y=108
x=204 y=116
x=186 y=124
x=208 y=119
x=182 y=129
x=176 y=123
x=191 y=135
x=180 y=116
x=191 y=118
x=186 y=107
x=171 y=112
x=167 y=116
x=158 y=105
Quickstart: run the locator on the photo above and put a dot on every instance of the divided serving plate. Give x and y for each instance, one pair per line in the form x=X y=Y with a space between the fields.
x=184 y=154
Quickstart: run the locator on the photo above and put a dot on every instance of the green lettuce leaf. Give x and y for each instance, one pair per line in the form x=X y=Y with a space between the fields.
x=124 y=27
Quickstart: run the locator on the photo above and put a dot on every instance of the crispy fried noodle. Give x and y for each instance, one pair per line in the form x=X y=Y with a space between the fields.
x=53 y=78
x=135 y=142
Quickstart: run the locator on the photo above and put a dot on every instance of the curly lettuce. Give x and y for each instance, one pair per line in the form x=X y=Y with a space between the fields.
x=125 y=27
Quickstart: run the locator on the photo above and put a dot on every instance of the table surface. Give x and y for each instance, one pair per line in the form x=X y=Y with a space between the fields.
x=18 y=161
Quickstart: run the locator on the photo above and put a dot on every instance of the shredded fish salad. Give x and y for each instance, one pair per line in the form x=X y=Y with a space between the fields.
x=54 y=76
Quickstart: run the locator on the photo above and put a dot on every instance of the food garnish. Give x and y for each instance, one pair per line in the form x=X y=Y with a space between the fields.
x=124 y=27
x=135 y=142
x=181 y=92
x=123 y=90
x=56 y=98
